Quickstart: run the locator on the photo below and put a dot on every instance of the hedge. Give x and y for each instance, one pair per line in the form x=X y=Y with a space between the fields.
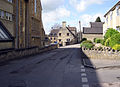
x=87 y=44
x=116 y=47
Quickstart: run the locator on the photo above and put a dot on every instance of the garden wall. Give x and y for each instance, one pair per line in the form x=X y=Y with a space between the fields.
x=106 y=53
x=10 y=54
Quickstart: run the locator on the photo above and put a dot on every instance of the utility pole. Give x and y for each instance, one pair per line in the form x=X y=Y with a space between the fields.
x=80 y=35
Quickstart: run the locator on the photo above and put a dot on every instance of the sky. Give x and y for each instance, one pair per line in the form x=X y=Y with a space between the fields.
x=73 y=11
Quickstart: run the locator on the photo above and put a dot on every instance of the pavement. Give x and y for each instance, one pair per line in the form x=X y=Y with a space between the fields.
x=61 y=67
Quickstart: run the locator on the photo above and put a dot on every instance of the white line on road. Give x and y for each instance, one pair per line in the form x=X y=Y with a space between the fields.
x=85 y=85
x=82 y=66
x=84 y=79
x=83 y=74
x=82 y=70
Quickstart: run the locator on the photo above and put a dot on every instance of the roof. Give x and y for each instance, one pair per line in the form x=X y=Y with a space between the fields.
x=72 y=28
x=96 y=28
x=71 y=32
x=5 y=35
x=112 y=8
x=54 y=32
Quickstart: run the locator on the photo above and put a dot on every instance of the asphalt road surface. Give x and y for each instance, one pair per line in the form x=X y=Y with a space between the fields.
x=57 y=68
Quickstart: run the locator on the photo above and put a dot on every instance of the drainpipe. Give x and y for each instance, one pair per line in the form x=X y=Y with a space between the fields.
x=17 y=24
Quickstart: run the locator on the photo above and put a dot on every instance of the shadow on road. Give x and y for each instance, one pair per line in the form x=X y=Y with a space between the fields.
x=57 y=68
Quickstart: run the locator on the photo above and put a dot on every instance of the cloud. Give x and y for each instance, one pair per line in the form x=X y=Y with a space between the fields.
x=54 y=16
x=49 y=5
x=86 y=19
x=81 y=5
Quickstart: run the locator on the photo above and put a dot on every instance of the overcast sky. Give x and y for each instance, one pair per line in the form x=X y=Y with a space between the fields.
x=71 y=11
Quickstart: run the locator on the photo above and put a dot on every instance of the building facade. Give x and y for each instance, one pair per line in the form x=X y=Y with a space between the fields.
x=63 y=36
x=95 y=31
x=29 y=27
x=7 y=29
x=112 y=18
x=23 y=20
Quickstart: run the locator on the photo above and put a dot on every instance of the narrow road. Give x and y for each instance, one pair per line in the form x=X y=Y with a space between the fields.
x=57 y=68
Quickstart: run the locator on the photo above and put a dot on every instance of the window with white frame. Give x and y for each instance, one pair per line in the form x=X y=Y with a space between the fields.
x=106 y=19
x=2 y=14
x=7 y=16
x=111 y=15
x=35 y=6
x=117 y=10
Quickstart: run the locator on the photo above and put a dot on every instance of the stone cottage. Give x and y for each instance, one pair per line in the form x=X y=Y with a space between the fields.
x=95 y=31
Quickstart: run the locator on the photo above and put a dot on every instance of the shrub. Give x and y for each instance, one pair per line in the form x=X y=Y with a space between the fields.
x=97 y=40
x=87 y=41
x=87 y=44
x=115 y=39
x=94 y=39
x=110 y=32
x=102 y=41
x=107 y=42
x=84 y=39
x=116 y=47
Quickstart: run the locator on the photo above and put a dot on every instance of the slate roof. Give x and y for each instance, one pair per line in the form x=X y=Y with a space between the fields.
x=54 y=32
x=96 y=28
x=72 y=28
x=5 y=35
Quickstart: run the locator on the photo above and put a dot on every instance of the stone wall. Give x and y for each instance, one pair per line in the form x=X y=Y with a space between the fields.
x=106 y=53
x=92 y=36
x=10 y=54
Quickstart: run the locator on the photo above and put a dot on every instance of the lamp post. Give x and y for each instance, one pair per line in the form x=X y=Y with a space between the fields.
x=80 y=35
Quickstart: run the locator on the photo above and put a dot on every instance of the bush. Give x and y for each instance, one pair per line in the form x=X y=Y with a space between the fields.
x=87 y=44
x=102 y=41
x=115 y=39
x=110 y=32
x=116 y=47
x=97 y=40
x=94 y=39
x=107 y=42
x=87 y=41
x=84 y=39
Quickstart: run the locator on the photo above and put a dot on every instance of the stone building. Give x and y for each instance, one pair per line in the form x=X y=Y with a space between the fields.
x=7 y=28
x=95 y=31
x=29 y=27
x=64 y=35
x=23 y=20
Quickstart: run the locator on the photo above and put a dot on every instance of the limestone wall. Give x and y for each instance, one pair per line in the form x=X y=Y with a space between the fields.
x=92 y=36
x=10 y=54
x=106 y=53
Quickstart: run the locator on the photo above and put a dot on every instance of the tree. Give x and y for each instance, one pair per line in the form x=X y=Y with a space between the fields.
x=98 y=19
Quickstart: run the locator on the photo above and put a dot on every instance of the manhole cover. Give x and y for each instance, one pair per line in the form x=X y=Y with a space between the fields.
x=20 y=83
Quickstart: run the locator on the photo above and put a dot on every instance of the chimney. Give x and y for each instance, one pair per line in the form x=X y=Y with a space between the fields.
x=64 y=24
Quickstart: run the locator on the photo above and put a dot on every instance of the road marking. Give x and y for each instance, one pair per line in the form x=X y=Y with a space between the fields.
x=83 y=74
x=82 y=66
x=84 y=79
x=82 y=70
x=85 y=85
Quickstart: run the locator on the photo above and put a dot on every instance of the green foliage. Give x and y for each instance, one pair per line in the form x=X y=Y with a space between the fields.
x=110 y=32
x=84 y=39
x=107 y=42
x=116 y=47
x=97 y=40
x=102 y=41
x=87 y=44
x=99 y=48
x=115 y=39
x=94 y=39
x=98 y=19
